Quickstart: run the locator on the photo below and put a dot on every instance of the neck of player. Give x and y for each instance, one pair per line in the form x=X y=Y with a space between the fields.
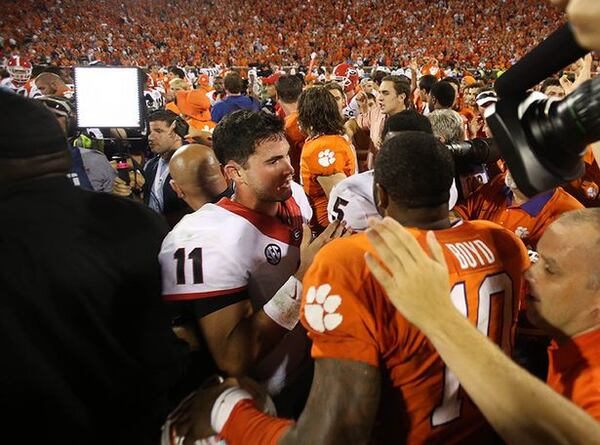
x=248 y=199
x=422 y=218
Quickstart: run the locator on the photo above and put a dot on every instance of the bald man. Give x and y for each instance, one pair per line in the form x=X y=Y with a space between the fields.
x=50 y=84
x=196 y=176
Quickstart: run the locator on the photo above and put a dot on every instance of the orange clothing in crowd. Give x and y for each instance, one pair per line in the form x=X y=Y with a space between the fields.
x=349 y=317
x=493 y=202
x=195 y=108
x=296 y=140
x=574 y=371
x=587 y=188
x=324 y=156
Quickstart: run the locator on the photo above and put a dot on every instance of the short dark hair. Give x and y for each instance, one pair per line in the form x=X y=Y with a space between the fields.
x=453 y=80
x=168 y=117
x=288 y=88
x=318 y=112
x=401 y=86
x=233 y=83
x=378 y=76
x=426 y=82
x=331 y=85
x=407 y=120
x=424 y=164
x=237 y=135
x=550 y=82
x=444 y=93
x=177 y=71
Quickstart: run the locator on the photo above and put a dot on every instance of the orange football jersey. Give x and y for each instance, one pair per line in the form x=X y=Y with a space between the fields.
x=348 y=316
x=296 y=139
x=492 y=202
x=324 y=156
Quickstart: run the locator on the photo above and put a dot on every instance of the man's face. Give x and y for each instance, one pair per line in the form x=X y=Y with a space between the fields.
x=469 y=96
x=558 y=281
x=368 y=86
x=268 y=173
x=218 y=85
x=389 y=102
x=339 y=99
x=271 y=91
x=555 y=91
x=46 y=88
x=161 y=138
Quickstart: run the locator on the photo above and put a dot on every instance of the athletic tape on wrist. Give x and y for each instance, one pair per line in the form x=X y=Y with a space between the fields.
x=284 y=307
x=223 y=406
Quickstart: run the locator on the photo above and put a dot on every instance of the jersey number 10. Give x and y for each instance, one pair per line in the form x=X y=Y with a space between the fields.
x=498 y=285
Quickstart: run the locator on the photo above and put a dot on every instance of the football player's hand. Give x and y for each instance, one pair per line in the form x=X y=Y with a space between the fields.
x=310 y=247
x=417 y=284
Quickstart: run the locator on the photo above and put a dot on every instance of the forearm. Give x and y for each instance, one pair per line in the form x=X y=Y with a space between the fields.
x=251 y=339
x=521 y=408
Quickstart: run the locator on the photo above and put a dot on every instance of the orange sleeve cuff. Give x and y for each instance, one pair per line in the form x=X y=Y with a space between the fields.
x=249 y=426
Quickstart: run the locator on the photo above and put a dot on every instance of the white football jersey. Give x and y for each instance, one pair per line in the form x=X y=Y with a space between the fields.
x=352 y=200
x=225 y=248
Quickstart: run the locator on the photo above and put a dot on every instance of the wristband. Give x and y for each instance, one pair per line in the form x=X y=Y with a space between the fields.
x=224 y=404
x=284 y=307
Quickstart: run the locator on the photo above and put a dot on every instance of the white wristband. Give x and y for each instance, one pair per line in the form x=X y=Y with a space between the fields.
x=284 y=307
x=224 y=405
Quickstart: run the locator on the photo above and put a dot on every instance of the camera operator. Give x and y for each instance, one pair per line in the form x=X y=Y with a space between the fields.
x=167 y=131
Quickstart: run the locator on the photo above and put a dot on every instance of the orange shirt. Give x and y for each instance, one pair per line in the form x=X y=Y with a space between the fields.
x=348 y=317
x=493 y=202
x=574 y=371
x=324 y=156
x=296 y=139
x=587 y=188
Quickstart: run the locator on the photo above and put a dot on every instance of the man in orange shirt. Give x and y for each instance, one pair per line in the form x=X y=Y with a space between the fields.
x=565 y=302
x=501 y=201
x=377 y=378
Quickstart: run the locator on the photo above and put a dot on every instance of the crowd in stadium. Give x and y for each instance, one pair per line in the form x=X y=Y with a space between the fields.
x=267 y=259
x=234 y=33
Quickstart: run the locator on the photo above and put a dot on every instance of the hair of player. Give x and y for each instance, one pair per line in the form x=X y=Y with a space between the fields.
x=407 y=120
x=550 y=82
x=378 y=77
x=444 y=93
x=424 y=165
x=401 y=86
x=233 y=83
x=318 y=113
x=447 y=125
x=288 y=88
x=426 y=82
x=237 y=135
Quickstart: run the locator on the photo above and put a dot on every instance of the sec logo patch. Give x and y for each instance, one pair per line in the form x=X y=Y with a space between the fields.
x=273 y=254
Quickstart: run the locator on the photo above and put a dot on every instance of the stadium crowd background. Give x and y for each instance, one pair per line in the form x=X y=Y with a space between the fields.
x=484 y=33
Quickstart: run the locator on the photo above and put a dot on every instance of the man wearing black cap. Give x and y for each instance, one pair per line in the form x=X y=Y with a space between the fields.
x=89 y=353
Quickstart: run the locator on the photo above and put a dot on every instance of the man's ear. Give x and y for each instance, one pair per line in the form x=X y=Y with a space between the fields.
x=382 y=200
x=177 y=189
x=232 y=170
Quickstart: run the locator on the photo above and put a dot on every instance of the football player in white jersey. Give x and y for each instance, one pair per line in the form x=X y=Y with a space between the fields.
x=236 y=266
x=20 y=70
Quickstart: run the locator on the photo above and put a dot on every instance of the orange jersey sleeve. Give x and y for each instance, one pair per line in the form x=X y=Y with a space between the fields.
x=348 y=316
x=324 y=156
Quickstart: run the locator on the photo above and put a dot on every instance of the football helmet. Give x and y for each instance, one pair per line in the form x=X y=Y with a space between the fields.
x=346 y=75
x=20 y=69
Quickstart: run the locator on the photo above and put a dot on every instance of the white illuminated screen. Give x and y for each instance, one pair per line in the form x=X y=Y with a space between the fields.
x=108 y=97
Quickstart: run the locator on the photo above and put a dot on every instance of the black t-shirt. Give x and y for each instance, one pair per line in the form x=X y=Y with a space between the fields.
x=89 y=355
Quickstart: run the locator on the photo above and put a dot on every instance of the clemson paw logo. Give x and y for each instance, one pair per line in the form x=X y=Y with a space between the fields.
x=522 y=232
x=320 y=308
x=326 y=158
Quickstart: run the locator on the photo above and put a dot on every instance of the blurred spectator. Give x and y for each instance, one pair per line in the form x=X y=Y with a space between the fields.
x=289 y=88
x=234 y=99
x=91 y=350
